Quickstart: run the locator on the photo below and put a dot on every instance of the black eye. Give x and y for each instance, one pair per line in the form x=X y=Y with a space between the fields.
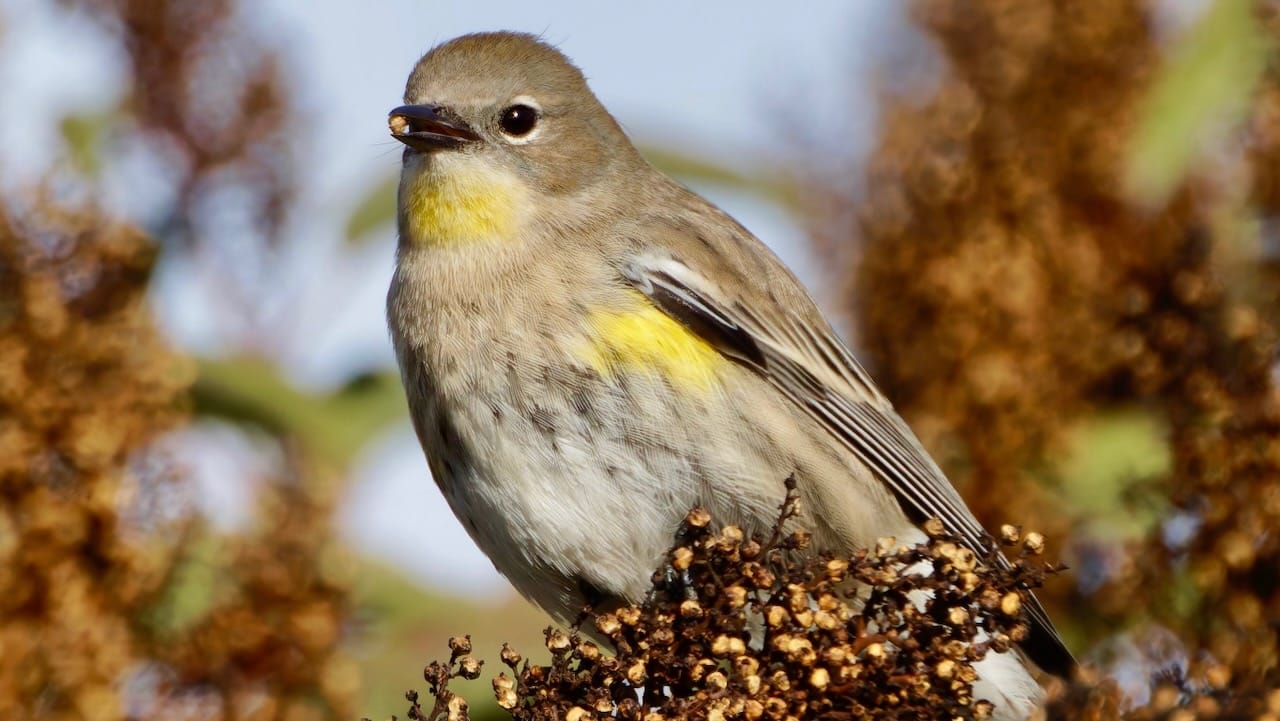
x=518 y=120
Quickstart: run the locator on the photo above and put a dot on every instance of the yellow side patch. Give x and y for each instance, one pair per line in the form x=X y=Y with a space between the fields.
x=450 y=206
x=649 y=340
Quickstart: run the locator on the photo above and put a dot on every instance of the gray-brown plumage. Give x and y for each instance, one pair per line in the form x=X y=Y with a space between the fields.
x=589 y=350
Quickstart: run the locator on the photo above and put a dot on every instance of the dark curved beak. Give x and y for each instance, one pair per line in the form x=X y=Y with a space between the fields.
x=424 y=128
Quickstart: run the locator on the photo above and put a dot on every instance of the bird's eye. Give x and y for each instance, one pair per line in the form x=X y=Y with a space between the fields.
x=518 y=120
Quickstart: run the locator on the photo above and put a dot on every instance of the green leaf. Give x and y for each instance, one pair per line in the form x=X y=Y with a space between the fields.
x=376 y=209
x=335 y=425
x=195 y=585
x=1203 y=91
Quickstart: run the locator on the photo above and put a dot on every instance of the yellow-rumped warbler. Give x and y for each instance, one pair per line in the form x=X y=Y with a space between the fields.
x=589 y=350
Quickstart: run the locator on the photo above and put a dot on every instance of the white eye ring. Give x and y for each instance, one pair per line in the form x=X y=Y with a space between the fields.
x=534 y=131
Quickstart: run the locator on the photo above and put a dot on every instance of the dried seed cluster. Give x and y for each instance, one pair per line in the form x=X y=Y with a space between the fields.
x=755 y=628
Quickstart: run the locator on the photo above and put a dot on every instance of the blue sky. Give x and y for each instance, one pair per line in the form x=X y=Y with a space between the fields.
x=726 y=80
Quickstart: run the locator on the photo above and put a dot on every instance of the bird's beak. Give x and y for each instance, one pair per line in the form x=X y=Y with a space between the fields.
x=422 y=128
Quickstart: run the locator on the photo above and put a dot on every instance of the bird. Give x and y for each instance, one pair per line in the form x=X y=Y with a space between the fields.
x=589 y=350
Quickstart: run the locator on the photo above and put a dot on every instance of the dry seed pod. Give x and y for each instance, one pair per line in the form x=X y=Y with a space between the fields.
x=837 y=568
x=1009 y=534
x=775 y=616
x=690 y=608
x=398 y=124
x=681 y=558
x=457 y=709
x=1034 y=543
x=608 y=624
x=746 y=665
x=636 y=673
x=469 y=667
x=1011 y=603
x=698 y=518
x=736 y=597
x=557 y=641
x=460 y=645
x=510 y=656
x=506 y=698
x=885 y=545
x=836 y=655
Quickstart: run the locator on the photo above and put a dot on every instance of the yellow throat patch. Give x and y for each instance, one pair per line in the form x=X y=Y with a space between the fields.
x=463 y=203
x=651 y=341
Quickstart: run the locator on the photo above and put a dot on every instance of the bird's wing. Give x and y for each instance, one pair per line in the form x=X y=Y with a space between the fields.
x=761 y=317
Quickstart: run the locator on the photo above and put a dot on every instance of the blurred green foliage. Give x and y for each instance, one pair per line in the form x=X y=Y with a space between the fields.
x=376 y=209
x=334 y=425
x=82 y=136
x=1107 y=460
x=771 y=184
x=1205 y=88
